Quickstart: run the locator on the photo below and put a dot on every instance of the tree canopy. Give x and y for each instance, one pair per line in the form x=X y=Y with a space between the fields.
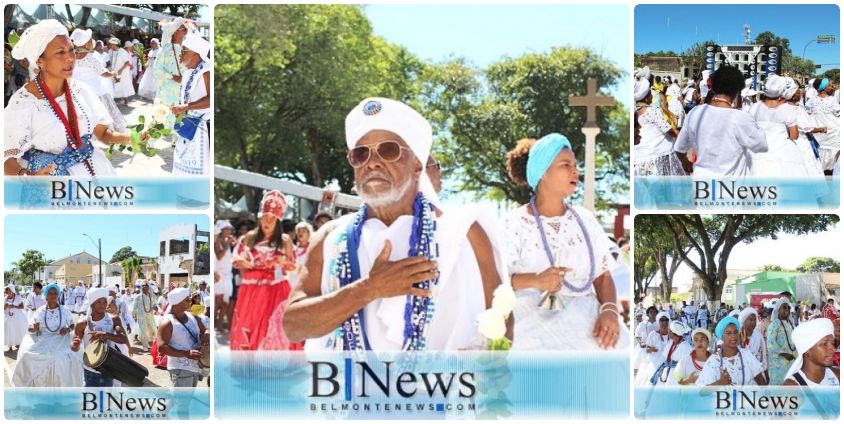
x=30 y=263
x=819 y=264
x=123 y=253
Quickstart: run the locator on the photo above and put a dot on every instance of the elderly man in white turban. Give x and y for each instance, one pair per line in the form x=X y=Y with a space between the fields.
x=144 y=305
x=371 y=279
x=98 y=326
x=781 y=349
x=181 y=336
x=751 y=337
x=89 y=69
x=815 y=343
x=52 y=121
x=671 y=354
x=777 y=118
x=654 y=139
x=192 y=155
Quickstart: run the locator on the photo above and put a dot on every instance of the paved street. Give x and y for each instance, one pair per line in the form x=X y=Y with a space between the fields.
x=127 y=164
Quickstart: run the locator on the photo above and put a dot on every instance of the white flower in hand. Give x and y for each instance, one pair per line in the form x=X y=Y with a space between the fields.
x=160 y=113
x=491 y=324
x=503 y=299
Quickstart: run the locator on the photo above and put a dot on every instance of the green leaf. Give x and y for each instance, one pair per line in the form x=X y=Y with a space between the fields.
x=141 y=119
x=129 y=148
x=14 y=38
x=121 y=147
x=166 y=131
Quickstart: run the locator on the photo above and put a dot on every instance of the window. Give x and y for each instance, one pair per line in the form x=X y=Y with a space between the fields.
x=178 y=247
x=161 y=249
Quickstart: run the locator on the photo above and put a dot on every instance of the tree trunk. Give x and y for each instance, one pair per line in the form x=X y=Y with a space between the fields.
x=69 y=15
x=86 y=13
x=314 y=147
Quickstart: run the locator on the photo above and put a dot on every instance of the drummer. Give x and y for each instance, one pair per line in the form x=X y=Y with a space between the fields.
x=181 y=336
x=98 y=326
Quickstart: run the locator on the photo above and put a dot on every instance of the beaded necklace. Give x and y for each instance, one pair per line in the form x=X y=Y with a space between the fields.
x=418 y=311
x=71 y=125
x=47 y=321
x=694 y=362
x=550 y=255
x=144 y=303
x=194 y=73
x=788 y=339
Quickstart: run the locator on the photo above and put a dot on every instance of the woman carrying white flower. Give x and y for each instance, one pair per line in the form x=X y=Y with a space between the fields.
x=561 y=260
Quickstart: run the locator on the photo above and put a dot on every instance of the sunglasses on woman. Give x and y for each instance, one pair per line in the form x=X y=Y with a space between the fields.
x=388 y=151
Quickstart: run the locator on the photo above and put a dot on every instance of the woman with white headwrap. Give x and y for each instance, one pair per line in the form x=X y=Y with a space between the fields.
x=52 y=121
x=655 y=344
x=147 y=87
x=815 y=349
x=561 y=259
x=671 y=355
x=781 y=349
x=192 y=153
x=731 y=365
x=691 y=364
x=14 y=324
x=751 y=338
x=806 y=126
x=653 y=150
x=778 y=119
x=826 y=110
x=98 y=326
x=90 y=70
x=46 y=358
x=122 y=66
x=167 y=70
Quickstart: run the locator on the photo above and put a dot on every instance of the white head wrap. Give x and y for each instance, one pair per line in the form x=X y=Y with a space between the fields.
x=778 y=304
x=80 y=37
x=377 y=113
x=690 y=83
x=93 y=295
x=790 y=88
x=100 y=43
x=748 y=83
x=673 y=91
x=703 y=331
x=35 y=39
x=662 y=315
x=747 y=312
x=678 y=328
x=177 y=295
x=641 y=89
x=734 y=313
x=170 y=28
x=154 y=40
x=807 y=335
x=642 y=73
x=114 y=40
x=127 y=44
x=221 y=225
x=775 y=86
x=114 y=288
x=198 y=45
x=748 y=92
x=12 y=288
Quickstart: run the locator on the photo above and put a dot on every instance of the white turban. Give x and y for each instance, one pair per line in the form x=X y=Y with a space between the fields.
x=80 y=37
x=12 y=288
x=746 y=313
x=642 y=73
x=734 y=313
x=807 y=335
x=114 y=288
x=100 y=43
x=662 y=315
x=775 y=86
x=790 y=88
x=114 y=40
x=678 y=328
x=748 y=83
x=778 y=304
x=703 y=331
x=690 y=84
x=221 y=225
x=177 y=295
x=641 y=89
x=748 y=92
x=197 y=45
x=154 y=40
x=127 y=44
x=170 y=28
x=93 y=295
x=376 y=113
x=673 y=91
x=35 y=39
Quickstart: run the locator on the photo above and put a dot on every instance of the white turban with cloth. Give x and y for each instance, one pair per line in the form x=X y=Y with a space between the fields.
x=80 y=37
x=778 y=304
x=12 y=288
x=93 y=295
x=790 y=88
x=35 y=39
x=662 y=315
x=197 y=45
x=641 y=89
x=642 y=73
x=746 y=313
x=377 y=113
x=169 y=28
x=775 y=86
x=807 y=335
x=177 y=295
x=678 y=328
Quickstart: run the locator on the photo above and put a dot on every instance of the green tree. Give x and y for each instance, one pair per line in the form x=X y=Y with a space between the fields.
x=132 y=269
x=652 y=236
x=774 y=267
x=122 y=254
x=769 y=38
x=30 y=263
x=833 y=75
x=819 y=264
x=713 y=238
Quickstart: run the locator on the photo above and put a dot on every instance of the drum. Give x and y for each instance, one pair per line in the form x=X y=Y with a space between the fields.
x=107 y=359
x=205 y=359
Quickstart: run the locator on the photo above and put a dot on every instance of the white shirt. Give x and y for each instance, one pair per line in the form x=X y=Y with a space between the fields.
x=197 y=89
x=723 y=140
x=35 y=301
x=829 y=379
x=686 y=367
x=712 y=369
x=89 y=70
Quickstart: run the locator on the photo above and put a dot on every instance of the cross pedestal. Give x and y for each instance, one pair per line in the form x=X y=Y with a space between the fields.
x=591 y=130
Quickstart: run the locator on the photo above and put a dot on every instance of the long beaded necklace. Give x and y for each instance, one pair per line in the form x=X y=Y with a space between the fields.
x=418 y=311
x=550 y=255
x=788 y=339
x=47 y=320
x=71 y=125
x=144 y=303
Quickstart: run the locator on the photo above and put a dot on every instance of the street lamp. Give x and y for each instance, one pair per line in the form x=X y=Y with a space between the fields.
x=99 y=245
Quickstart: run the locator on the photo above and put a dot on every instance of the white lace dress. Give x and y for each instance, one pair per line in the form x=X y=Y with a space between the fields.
x=826 y=112
x=568 y=326
x=654 y=155
x=742 y=369
x=89 y=70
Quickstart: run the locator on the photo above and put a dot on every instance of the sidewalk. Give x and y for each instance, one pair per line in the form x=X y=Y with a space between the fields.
x=128 y=164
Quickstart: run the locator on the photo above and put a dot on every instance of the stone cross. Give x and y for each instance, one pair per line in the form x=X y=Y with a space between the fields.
x=591 y=130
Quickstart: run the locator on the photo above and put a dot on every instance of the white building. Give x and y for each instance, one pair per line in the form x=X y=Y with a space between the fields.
x=113 y=274
x=180 y=243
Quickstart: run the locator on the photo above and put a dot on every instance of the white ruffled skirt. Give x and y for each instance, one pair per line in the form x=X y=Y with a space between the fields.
x=47 y=361
x=14 y=327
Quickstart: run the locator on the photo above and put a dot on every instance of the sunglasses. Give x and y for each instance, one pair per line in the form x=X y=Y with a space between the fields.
x=388 y=151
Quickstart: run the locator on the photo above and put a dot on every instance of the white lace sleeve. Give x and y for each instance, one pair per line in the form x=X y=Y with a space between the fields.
x=513 y=224
x=18 y=115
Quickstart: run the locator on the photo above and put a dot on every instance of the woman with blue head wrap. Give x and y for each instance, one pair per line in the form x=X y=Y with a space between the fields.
x=731 y=365
x=561 y=259
x=46 y=358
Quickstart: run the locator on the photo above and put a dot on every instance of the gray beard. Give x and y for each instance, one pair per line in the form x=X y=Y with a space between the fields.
x=385 y=199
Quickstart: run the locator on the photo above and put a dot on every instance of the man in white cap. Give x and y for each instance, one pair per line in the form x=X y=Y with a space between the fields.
x=781 y=349
x=181 y=336
x=192 y=156
x=815 y=345
x=360 y=304
x=98 y=326
x=143 y=312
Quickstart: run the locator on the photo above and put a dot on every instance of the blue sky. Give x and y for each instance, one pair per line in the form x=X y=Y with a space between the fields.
x=485 y=33
x=676 y=27
x=58 y=236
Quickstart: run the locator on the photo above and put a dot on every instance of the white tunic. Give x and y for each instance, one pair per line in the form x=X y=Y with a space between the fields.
x=652 y=360
x=459 y=295
x=749 y=364
x=569 y=327
x=14 y=324
x=686 y=367
x=79 y=299
x=105 y=324
x=124 y=87
x=184 y=337
x=723 y=140
x=223 y=267
x=829 y=379
x=805 y=125
x=681 y=351
x=826 y=112
x=45 y=358
x=192 y=157
x=33 y=302
x=783 y=158
x=89 y=70
x=32 y=125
